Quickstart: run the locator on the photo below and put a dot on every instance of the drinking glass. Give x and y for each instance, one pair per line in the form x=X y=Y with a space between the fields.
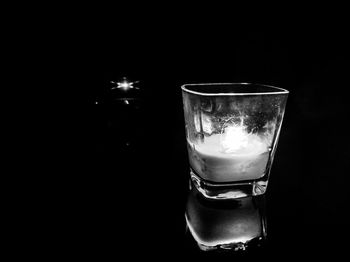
x=232 y=130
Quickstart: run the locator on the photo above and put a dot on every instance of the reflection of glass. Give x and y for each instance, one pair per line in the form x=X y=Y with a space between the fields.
x=236 y=224
x=232 y=132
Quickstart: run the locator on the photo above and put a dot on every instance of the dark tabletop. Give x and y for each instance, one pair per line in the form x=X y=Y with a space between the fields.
x=128 y=194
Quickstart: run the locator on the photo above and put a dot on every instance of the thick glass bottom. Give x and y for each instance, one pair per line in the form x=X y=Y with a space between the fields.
x=229 y=190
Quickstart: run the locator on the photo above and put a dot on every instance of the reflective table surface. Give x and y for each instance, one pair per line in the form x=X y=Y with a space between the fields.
x=134 y=198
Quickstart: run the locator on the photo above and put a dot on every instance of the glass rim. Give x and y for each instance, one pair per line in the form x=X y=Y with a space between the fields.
x=279 y=90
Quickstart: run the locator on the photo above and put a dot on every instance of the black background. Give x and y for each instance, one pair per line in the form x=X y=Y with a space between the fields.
x=130 y=201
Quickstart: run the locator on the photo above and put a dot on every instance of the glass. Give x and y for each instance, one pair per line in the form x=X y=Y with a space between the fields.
x=232 y=131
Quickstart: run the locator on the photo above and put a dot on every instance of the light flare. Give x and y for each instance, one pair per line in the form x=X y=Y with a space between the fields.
x=125 y=84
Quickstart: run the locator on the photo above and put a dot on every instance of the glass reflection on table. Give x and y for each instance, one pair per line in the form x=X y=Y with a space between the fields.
x=236 y=224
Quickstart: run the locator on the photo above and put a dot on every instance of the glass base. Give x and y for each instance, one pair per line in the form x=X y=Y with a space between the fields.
x=255 y=243
x=229 y=190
